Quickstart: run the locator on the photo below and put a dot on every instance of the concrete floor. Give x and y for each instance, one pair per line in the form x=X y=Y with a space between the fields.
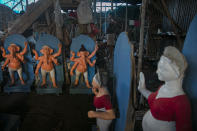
x=49 y=112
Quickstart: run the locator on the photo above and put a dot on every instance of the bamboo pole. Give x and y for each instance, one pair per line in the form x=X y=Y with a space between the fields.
x=58 y=20
x=126 y=15
x=116 y=10
x=101 y=18
x=7 y=2
x=112 y=6
x=22 y=5
x=16 y=5
x=105 y=21
x=141 y=43
x=130 y=120
x=173 y=24
x=95 y=19
x=27 y=4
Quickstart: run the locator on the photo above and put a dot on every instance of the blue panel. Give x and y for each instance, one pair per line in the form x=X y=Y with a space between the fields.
x=89 y=44
x=122 y=72
x=190 y=81
x=52 y=42
x=28 y=73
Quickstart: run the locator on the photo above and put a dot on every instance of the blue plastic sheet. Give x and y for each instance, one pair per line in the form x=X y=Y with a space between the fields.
x=190 y=81
x=123 y=74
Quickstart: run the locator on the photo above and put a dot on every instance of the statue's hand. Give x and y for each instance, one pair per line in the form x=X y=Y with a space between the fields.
x=3 y=67
x=2 y=48
x=141 y=85
x=71 y=73
x=94 y=61
x=60 y=45
x=72 y=53
x=34 y=51
x=36 y=73
x=26 y=43
x=96 y=47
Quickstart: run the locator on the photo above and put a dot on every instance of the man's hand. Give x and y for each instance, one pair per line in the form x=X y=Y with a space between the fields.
x=91 y=114
x=94 y=90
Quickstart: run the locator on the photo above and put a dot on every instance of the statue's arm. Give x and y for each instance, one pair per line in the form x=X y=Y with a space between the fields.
x=72 y=58
x=24 y=50
x=3 y=53
x=94 y=52
x=59 y=51
x=6 y=62
x=55 y=61
x=90 y=63
x=21 y=57
x=73 y=68
x=36 y=54
x=38 y=67
x=142 y=87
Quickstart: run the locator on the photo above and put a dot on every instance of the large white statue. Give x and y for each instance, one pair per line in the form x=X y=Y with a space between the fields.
x=169 y=106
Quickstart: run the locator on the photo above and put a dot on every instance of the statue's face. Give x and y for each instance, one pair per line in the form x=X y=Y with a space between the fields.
x=83 y=53
x=13 y=48
x=166 y=70
x=46 y=50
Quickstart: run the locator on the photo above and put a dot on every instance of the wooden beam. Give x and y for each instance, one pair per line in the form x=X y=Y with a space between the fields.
x=58 y=20
x=180 y=43
x=27 y=19
x=47 y=17
x=156 y=6
x=130 y=121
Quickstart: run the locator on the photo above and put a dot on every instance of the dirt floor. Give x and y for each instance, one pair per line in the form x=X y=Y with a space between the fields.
x=49 y=112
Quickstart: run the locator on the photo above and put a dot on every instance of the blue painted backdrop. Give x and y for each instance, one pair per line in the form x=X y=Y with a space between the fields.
x=28 y=73
x=190 y=81
x=52 y=42
x=89 y=44
x=122 y=72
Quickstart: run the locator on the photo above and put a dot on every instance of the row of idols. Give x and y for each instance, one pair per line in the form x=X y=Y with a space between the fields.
x=48 y=54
